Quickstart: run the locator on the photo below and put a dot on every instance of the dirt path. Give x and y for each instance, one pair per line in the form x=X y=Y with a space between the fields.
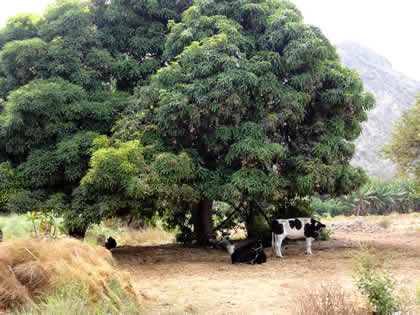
x=177 y=280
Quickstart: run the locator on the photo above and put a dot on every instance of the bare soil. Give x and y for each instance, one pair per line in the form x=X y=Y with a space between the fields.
x=177 y=280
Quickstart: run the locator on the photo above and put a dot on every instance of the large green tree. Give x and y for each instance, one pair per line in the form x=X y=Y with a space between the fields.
x=247 y=105
x=260 y=104
x=61 y=77
x=404 y=147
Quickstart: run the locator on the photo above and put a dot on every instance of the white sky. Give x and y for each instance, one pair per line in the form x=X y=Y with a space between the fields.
x=388 y=27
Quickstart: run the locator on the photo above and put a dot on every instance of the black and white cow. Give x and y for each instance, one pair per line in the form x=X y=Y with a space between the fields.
x=295 y=228
x=252 y=253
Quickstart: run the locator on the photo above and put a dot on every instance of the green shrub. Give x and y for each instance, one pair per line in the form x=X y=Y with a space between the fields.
x=325 y=234
x=11 y=182
x=332 y=207
x=73 y=298
x=375 y=281
x=15 y=226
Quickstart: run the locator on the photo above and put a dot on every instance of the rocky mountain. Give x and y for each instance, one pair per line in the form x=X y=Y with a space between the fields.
x=394 y=92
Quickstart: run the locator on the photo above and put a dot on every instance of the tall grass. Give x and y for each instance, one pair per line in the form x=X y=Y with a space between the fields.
x=15 y=226
x=37 y=270
x=328 y=299
x=72 y=298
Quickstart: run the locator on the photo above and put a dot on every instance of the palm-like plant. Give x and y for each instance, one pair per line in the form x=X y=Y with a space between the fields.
x=377 y=197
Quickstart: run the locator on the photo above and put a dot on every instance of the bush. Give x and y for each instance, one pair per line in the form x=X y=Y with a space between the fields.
x=15 y=226
x=327 y=300
x=11 y=182
x=373 y=198
x=330 y=207
x=375 y=281
x=325 y=234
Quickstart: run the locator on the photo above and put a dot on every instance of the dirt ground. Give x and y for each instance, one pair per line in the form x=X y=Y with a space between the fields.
x=177 y=280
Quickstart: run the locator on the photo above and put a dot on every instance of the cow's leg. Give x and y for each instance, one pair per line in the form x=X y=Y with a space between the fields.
x=273 y=243
x=309 y=246
x=277 y=242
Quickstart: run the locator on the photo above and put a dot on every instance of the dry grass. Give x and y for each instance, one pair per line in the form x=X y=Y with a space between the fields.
x=328 y=299
x=126 y=235
x=32 y=268
x=150 y=236
x=385 y=223
x=174 y=279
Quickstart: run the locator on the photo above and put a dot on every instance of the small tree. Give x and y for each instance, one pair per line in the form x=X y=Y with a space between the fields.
x=404 y=146
x=376 y=282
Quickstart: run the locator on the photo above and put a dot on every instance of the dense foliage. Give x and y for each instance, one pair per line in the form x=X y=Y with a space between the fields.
x=11 y=182
x=404 y=147
x=246 y=105
x=258 y=101
x=61 y=82
x=373 y=198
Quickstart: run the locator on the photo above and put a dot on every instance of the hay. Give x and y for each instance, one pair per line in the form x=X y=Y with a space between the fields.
x=31 y=268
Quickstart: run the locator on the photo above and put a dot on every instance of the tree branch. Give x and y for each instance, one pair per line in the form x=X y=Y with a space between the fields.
x=226 y=220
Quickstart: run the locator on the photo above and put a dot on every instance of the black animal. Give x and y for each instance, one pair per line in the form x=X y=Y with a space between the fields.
x=1 y=236
x=110 y=243
x=252 y=253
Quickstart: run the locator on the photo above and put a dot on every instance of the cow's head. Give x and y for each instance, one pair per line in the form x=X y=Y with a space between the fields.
x=317 y=228
x=230 y=248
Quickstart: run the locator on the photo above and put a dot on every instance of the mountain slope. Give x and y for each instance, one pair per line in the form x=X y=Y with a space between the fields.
x=394 y=92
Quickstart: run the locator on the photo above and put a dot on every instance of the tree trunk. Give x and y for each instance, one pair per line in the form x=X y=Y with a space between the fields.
x=257 y=228
x=203 y=221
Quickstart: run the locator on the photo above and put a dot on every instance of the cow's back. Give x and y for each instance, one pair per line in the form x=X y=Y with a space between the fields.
x=292 y=228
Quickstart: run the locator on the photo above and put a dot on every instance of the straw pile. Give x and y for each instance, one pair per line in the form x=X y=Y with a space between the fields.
x=30 y=268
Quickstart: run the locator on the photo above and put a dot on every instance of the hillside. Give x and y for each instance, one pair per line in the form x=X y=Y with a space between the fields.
x=394 y=92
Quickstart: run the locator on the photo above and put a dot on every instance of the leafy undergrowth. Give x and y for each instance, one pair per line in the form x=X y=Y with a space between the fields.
x=73 y=298
x=42 y=275
x=15 y=226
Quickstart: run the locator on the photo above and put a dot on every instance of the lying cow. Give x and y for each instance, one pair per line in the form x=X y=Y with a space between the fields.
x=294 y=229
x=252 y=253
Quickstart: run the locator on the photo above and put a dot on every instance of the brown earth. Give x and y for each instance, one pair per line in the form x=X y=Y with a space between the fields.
x=177 y=280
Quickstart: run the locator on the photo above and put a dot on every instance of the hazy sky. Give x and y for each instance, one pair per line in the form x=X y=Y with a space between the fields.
x=391 y=28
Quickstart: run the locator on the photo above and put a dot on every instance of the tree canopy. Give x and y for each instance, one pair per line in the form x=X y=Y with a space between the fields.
x=404 y=147
x=257 y=100
x=234 y=101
